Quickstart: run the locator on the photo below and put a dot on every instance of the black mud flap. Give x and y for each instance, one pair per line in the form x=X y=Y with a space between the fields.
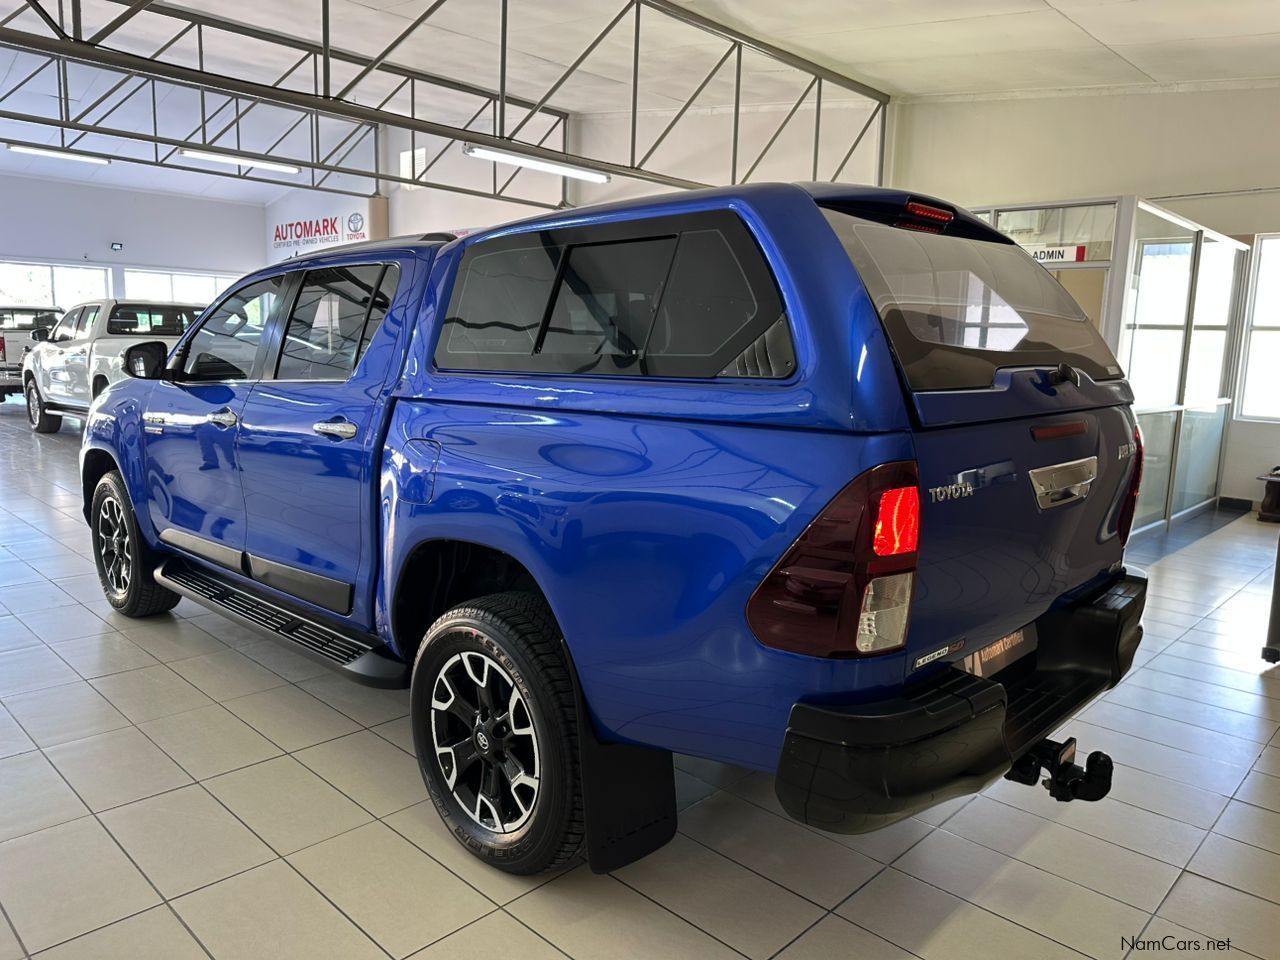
x=628 y=794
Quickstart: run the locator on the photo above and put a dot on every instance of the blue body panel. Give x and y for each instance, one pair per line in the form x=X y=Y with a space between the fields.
x=647 y=510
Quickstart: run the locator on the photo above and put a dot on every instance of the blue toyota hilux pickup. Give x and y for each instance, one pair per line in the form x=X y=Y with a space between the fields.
x=827 y=481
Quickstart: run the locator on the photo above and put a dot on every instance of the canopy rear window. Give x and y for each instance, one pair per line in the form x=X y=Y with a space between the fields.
x=956 y=309
x=21 y=318
x=151 y=319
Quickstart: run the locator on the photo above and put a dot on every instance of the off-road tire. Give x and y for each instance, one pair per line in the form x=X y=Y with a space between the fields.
x=518 y=632
x=141 y=596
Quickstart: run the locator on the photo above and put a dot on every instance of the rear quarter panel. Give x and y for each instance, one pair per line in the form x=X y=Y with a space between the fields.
x=650 y=510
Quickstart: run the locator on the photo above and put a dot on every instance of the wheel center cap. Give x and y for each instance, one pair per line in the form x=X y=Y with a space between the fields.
x=483 y=743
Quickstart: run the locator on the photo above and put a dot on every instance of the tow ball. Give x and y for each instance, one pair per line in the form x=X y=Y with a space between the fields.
x=1066 y=779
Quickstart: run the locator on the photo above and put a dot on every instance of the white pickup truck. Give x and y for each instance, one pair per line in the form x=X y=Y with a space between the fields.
x=76 y=360
x=16 y=324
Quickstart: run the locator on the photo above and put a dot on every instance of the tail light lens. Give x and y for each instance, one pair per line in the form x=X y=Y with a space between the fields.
x=1124 y=523
x=2 y=353
x=844 y=587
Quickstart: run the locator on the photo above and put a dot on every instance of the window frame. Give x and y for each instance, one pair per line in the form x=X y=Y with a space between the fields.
x=738 y=236
x=1246 y=333
x=178 y=359
x=299 y=278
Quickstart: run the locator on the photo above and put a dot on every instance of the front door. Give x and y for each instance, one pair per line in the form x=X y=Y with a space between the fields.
x=191 y=425
x=309 y=444
x=52 y=373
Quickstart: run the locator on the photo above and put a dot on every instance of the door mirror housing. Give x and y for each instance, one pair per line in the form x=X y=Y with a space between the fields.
x=146 y=361
x=40 y=334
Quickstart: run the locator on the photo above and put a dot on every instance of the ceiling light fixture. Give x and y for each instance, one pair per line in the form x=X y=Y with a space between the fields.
x=57 y=154
x=533 y=163
x=240 y=161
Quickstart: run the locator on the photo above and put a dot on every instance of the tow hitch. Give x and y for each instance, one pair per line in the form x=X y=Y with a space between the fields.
x=1066 y=779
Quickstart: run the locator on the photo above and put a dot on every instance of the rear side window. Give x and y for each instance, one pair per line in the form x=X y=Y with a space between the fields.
x=150 y=319
x=688 y=296
x=334 y=316
x=957 y=309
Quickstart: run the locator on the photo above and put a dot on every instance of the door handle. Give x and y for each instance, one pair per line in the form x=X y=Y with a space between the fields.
x=223 y=418
x=342 y=429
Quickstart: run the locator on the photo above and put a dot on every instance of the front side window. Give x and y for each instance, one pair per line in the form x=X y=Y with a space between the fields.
x=225 y=347
x=66 y=328
x=687 y=296
x=334 y=317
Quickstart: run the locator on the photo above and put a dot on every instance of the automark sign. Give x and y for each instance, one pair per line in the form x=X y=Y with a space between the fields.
x=319 y=231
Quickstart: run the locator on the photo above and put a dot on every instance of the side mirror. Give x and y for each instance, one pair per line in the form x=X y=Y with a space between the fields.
x=145 y=361
x=40 y=334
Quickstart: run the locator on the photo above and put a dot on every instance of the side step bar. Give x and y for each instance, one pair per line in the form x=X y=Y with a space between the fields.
x=360 y=657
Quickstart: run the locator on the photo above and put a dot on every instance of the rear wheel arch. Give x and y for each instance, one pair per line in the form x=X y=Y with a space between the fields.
x=439 y=575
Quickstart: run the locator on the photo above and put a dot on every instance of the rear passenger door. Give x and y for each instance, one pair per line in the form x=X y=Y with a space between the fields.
x=309 y=434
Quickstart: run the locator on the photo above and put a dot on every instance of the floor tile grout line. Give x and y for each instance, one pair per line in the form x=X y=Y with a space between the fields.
x=1204 y=703
x=1084 y=718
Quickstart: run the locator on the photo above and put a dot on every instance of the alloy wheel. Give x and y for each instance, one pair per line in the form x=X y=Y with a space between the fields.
x=33 y=405
x=485 y=742
x=113 y=545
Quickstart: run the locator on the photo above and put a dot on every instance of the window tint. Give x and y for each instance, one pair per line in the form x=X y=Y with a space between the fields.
x=498 y=303
x=684 y=296
x=335 y=315
x=604 y=303
x=226 y=344
x=150 y=319
x=958 y=309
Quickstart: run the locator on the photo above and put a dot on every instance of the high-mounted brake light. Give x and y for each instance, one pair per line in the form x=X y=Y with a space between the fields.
x=1128 y=509
x=844 y=587
x=926 y=211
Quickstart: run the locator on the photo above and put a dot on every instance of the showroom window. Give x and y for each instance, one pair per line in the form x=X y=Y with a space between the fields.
x=201 y=288
x=53 y=285
x=1260 y=388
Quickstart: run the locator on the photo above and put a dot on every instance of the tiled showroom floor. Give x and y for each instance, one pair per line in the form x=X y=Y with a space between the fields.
x=176 y=787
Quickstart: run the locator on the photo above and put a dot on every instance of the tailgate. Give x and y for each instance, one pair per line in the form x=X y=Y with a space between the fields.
x=1015 y=515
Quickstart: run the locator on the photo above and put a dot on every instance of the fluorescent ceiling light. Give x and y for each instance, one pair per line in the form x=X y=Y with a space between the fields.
x=58 y=154
x=546 y=166
x=237 y=161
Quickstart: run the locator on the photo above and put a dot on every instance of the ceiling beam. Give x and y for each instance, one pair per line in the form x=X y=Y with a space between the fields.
x=358 y=113
x=135 y=8
x=336 y=53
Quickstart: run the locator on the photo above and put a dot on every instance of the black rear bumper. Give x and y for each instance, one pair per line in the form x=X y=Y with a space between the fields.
x=855 y=768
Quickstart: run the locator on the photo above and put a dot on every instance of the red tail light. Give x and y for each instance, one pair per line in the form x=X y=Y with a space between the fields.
x=1124 y=523
x=898 y=525
x=2 y=353
x=844 y=587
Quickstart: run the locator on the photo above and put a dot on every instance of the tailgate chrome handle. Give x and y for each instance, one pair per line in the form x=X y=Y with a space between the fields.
x=342 y=429
x=223 y=418
x=1063 y=483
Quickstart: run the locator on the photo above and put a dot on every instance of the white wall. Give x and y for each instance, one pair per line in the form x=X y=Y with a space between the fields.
x=1098 y=144
x=1104 y=143
x=63 y=221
